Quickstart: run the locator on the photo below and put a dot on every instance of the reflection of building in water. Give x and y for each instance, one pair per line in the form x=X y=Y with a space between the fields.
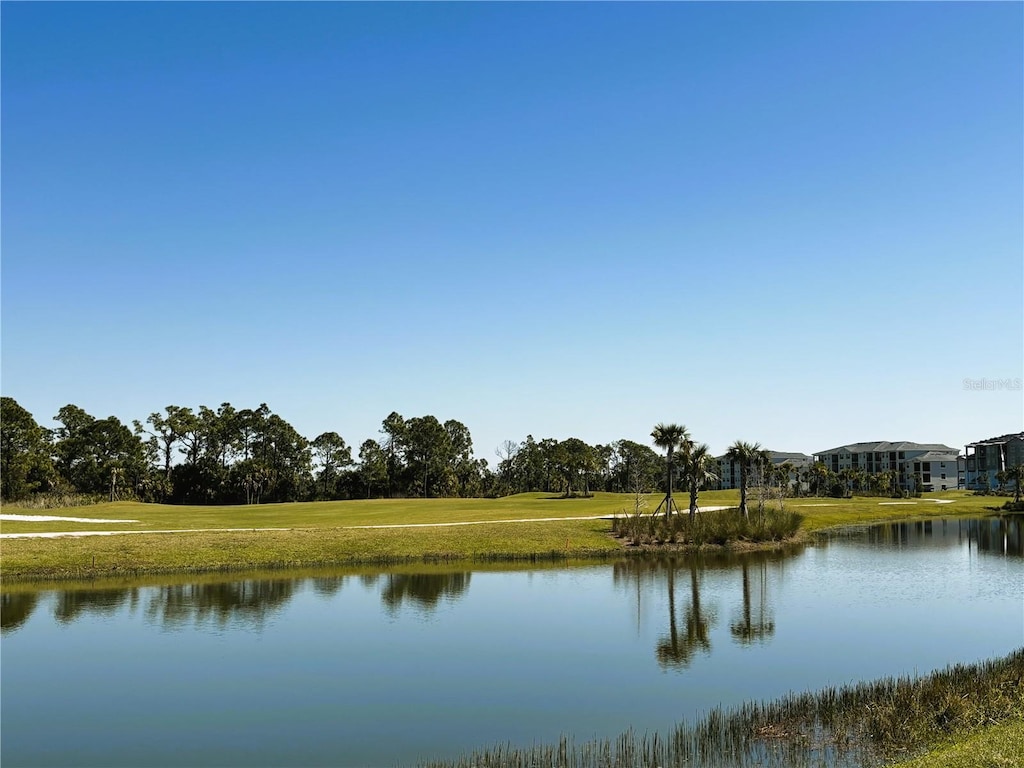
x=999 y=535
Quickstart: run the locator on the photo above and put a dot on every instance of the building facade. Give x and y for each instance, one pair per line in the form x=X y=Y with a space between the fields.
x=984 y=460
x=933 y=466
x=729 y=470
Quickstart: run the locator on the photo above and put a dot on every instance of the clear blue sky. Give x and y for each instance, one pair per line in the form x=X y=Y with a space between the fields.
x=798 y=223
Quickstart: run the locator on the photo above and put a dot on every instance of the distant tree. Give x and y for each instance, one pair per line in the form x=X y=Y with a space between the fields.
x=549 y=456
x=575 y=460
x=459 y=457
x=373 y=466
x=25 y=464
x=98 y=456
x=634 y=464
x=428 y=456
x=783 y=474
x=669 y=437
x=395 y=434
x=332 y=455
x=744 y=454
x=604 y=460
x=507 y=453
x=164 y=433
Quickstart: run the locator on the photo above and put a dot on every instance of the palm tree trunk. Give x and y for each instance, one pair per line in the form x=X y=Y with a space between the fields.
x=668 y=477
x=743 y=491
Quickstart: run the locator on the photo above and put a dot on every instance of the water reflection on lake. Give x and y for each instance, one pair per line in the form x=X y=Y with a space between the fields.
x=376 y=668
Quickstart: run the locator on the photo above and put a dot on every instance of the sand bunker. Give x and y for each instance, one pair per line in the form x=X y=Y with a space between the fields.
x=78 y=534
x=56 y=519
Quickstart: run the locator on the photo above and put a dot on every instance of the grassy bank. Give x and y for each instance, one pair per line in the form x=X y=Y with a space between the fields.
x=323 y=533
x=998 y=746
x=951 y=713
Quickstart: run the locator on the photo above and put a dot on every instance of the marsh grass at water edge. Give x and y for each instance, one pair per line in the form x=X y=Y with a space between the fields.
x=857 y=726
x=714 y=527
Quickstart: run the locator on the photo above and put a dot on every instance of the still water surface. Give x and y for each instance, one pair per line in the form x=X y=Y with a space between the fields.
x=383 y=668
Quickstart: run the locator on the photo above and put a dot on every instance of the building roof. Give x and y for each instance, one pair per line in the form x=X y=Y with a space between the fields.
x=937 y=456
x=999 y=440
x=778 y=457
x=885 y=447
x=781 y=457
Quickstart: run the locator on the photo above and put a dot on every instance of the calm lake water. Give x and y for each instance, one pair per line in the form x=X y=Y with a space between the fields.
x=387 y=668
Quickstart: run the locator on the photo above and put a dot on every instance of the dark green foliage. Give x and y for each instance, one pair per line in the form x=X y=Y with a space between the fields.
x=25 y=465
x=99 y=456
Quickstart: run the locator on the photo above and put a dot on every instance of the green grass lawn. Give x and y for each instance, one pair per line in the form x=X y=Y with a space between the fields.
x=333 y=514
x=320 y=533
x=999 y=746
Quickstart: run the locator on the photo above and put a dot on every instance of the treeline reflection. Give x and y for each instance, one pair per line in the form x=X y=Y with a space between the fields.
x=247 y=603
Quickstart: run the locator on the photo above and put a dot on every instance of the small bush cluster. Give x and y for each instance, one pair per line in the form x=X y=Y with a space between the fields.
x=59 y=499
x=717 y=527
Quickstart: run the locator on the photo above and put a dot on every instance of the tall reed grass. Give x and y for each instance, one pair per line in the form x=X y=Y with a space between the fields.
x=856 y=726
x=722 y=526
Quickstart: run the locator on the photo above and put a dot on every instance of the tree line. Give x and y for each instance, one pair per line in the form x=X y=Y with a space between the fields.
x=249 y=456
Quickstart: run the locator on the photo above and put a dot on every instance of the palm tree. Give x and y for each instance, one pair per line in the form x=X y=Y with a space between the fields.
x=744 y=454
x=818 y=474
x=670 y=437
x=699 y=469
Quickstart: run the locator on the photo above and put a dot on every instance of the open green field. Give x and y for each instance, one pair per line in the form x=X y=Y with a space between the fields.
x=326 y=533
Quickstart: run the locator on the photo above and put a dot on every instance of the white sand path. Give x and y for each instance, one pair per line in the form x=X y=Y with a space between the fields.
x=79 y=534
x=55 y=518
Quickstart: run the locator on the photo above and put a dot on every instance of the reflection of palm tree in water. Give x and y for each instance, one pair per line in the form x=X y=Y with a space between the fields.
x=748 y=629
x=676 y=651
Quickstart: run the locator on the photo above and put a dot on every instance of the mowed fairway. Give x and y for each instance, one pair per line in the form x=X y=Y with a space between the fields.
x=335 y=514
x=328 y=533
